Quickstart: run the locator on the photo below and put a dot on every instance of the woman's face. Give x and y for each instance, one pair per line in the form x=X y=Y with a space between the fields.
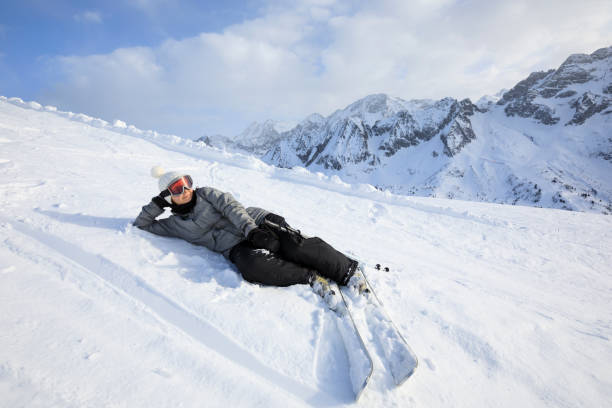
x=183 y=198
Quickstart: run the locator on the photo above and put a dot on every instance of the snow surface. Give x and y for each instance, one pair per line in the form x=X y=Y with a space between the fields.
x=504 y=305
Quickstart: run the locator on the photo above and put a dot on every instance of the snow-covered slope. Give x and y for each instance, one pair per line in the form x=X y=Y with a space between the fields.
x=546 y=142
x=505 y=306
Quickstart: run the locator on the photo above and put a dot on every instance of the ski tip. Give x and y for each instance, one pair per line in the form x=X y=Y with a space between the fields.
x=363 y=386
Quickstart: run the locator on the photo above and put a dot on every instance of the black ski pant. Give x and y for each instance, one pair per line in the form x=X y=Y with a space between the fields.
x=296 y=262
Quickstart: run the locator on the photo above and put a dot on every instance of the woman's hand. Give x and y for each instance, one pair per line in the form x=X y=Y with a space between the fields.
x=264 y=239
x=160 y=199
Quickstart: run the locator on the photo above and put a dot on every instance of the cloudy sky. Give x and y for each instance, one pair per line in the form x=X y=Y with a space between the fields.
x=191 y=67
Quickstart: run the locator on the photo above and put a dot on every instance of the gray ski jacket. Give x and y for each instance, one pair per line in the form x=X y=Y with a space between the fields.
x=217 y=221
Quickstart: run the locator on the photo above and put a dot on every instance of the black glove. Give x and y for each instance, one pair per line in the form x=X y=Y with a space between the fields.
x=264 y=239
x=277 y=219
x=160 y=199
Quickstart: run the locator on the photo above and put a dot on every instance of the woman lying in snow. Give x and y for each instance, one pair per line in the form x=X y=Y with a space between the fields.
x=264 y=248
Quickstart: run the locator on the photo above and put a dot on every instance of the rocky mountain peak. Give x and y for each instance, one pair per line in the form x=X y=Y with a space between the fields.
x=372 y=108
x=314 y=118
x=569 y=80
x=255 y=129
x=486 y=100
x=576 y=69
x=602 y=53
x=378 y=103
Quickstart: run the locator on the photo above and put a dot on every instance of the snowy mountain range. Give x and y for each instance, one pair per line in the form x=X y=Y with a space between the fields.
x=258 y=138
x=546 y=142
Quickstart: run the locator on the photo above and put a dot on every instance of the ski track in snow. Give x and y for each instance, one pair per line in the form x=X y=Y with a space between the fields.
x=168 y=310
x=512 y=302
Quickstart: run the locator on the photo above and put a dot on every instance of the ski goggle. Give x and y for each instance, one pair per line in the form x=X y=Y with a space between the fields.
x=178 y=186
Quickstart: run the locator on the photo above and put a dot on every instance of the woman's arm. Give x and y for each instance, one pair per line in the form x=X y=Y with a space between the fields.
x=146 y=220
x=231 y=209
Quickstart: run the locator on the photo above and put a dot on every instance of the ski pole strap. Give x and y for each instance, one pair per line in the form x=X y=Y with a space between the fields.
x=296 y=234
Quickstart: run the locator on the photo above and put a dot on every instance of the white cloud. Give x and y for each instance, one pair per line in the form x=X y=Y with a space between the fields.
x=89 y=17
x=320 y=55
x=153 y=8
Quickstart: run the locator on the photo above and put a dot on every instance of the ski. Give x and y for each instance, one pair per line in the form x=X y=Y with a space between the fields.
x=361 y=365
x=400 y=359
x=360 y=361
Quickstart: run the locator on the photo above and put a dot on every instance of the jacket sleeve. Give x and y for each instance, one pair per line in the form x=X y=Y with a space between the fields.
x=146 y=221
x=257 y=214
x=231 y=209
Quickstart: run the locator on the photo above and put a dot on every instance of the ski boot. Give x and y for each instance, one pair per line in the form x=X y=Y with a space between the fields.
x=321 y=287
x=358 y=282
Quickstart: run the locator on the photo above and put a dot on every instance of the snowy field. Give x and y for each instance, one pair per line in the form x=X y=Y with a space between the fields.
x=504 y=306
